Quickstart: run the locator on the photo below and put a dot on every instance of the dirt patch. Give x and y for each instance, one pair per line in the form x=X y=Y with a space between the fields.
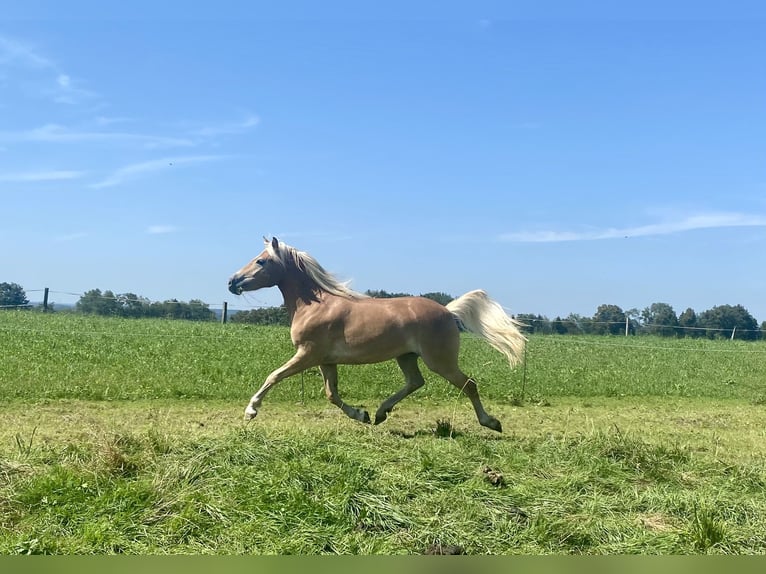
x=494 y=477
x=444 y=549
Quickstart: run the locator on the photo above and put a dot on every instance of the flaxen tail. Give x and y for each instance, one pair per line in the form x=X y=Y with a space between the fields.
x=481 y=315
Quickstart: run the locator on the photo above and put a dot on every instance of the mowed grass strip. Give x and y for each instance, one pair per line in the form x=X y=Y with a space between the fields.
x=187 y=476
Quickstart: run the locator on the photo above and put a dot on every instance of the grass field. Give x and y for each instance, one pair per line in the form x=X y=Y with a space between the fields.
x=120 y=436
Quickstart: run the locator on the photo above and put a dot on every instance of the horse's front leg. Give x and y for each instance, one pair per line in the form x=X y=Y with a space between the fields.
x=300 y=362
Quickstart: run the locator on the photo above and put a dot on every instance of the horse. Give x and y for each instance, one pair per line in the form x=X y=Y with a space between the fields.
x=331 y=324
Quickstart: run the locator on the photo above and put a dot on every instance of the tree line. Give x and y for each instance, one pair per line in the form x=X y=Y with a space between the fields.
x=94 y=302
x=107 y=303
x=656 y=319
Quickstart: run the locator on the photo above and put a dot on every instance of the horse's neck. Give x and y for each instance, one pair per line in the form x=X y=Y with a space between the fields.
x=297 y=291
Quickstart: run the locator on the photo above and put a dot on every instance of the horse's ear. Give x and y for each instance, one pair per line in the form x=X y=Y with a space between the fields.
x=275 y=244
x=265 y=239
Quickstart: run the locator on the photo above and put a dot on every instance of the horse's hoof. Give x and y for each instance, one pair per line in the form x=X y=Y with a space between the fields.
x=379 y=418
x=250 y=413
x=493 y=424
x=366 y=417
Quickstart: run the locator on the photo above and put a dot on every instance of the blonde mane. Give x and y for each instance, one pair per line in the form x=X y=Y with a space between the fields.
x=304 y=262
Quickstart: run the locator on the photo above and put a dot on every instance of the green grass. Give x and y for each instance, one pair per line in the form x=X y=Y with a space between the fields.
x=72 y=356
x=120 y=436
x=647 y=366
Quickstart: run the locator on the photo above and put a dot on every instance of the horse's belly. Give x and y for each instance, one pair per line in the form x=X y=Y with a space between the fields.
x=371 y=347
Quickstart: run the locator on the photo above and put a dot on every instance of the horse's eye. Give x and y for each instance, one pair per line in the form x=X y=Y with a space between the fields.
x=260 y=262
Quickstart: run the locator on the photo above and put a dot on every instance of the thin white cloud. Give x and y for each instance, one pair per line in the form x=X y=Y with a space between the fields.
x=161 y=229
x=137 y=170
x=100 y=132
x=689 y=223
x=13 y=52
x=107 y=121
x=37 y=176
x=71 y=237
x=66 y=92
x=251 y=121
x=54 y=133
x=54 y=82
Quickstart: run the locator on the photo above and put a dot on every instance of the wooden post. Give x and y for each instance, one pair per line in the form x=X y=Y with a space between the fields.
x=45 y=301
x=524 y=377
x=224 y=312
x=734 y=330
x=627 y=323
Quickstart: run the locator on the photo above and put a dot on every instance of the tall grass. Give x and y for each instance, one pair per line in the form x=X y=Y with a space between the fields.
x=66 y=356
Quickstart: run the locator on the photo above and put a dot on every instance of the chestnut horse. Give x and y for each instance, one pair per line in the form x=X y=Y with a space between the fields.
x=332 y=324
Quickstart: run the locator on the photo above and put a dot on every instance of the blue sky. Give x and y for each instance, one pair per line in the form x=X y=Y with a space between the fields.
x=558 y=158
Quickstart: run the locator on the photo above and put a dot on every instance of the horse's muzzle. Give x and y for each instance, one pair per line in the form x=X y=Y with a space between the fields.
x=234 y=286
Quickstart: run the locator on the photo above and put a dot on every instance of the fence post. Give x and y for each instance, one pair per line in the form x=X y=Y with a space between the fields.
x=524 y=377
x=734 y=330
x=627 y=323
x=45 y=301
x=224 y=312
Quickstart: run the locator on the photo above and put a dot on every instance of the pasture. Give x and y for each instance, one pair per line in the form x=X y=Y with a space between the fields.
x=126 y=436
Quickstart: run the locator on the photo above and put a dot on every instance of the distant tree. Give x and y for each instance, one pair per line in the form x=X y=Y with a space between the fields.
x=199 y=311
x=535 y=323
x=89 y=302
x=576 y=324
x=609 y=319
x=263 y=316
x=558 y=326
x=545 y=325
x=171 y=309
x=12 y=295
x=382 y=294
x=660 y=319
x=94 y=302
x=722 y=320
x=131 y=305
x=439 y=297
x=687 y=323
x=633 y=315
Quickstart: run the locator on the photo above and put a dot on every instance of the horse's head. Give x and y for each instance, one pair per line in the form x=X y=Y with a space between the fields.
x=266 y=270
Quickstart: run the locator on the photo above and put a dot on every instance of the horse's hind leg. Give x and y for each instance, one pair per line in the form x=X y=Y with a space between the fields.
x=330 y=375
x=413 y=380
x=468 y=386
x=447 y=367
